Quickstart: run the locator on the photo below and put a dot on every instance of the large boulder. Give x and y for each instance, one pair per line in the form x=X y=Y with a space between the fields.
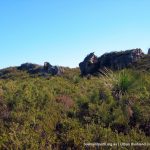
x=28 y=66
x=89 y=65
x=53 y=70
x=114 y=60
x=149 y=51
x=47 y=65
x=120 y=60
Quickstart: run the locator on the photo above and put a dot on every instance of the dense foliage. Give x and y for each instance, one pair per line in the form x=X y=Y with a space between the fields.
x=60 y=112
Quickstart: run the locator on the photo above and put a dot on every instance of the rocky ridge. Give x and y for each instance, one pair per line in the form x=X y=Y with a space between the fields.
x=113 y=60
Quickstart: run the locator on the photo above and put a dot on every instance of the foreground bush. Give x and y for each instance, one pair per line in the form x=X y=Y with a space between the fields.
x=68 y=111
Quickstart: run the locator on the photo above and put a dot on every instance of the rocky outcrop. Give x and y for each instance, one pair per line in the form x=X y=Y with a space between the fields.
x=89 y=65
x=114 y=60
x=149 y=51
x=120 y=60
x=54 y=70
x=28 y=66
x=43 y=70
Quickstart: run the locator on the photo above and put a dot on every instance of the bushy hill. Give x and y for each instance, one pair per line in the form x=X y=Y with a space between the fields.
x=62 y=112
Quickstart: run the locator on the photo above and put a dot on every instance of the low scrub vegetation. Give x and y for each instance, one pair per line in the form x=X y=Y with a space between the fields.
x=60 y=112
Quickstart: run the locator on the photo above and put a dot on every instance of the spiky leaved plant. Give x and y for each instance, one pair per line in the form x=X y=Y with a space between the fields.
x=120 y=83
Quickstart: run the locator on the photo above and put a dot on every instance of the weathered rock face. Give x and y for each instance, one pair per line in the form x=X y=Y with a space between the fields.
x=89 y=65
x=120 y=60
x=149 y=51
x=28 y=66
x=47 y=65
x=54 y=70
x=114 y=60
x=44 y=70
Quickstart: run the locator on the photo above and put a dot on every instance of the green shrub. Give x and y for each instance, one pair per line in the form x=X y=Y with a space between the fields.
x=68 y=111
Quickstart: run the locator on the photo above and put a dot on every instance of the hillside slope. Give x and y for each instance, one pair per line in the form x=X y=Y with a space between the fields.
x=38 y=112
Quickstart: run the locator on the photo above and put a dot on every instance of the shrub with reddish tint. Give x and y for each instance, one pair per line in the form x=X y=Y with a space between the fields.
x=65 y=100
x=4 y=112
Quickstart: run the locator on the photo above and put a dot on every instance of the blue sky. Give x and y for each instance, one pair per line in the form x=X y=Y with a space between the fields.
x=63 y=32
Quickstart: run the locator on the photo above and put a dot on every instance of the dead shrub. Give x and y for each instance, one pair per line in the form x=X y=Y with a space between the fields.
x=65 y=100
